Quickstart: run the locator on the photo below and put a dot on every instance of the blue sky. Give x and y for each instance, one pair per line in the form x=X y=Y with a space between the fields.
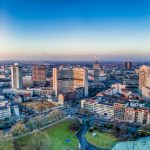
x=45 y=29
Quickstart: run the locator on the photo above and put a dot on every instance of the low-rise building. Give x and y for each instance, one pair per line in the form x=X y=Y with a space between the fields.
x=98 y=107
x=4 y=110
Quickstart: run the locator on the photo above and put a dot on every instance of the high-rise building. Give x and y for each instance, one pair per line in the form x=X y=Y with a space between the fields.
x=16 y=76
x=39 y=74
x=144 y=72
x=96 y=68
x=69 y=79
x=128 y=65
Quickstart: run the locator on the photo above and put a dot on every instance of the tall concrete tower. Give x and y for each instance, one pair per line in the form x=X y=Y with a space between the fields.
x=85 y=82
x=96 y=68
x=16 y=76
x=128 y=65
x=55 y=81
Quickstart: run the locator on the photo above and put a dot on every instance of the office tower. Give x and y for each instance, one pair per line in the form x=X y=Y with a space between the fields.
x=39 y=75
x=69 y=79
x=16 y=76
x=128 y=65
x=96 y=68
x=144 y=72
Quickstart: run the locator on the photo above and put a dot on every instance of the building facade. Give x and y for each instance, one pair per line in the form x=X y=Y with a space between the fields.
x=128 y=65
x=16 y=76
x=68 y=79
x=144 y=72
x=39 y=75
x=96 y=69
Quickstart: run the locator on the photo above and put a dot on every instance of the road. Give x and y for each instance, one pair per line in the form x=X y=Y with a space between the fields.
x=84 y=145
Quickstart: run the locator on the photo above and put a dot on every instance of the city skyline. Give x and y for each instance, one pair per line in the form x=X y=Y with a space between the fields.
x=79 y=30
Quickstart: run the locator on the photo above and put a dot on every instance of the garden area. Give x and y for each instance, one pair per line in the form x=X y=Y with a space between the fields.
x=101 y=139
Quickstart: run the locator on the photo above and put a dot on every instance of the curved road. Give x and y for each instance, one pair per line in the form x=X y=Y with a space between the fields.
x=84 y=145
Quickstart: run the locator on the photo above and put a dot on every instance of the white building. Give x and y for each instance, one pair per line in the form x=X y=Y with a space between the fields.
x=4 y=110
x=99 y=108
x=16 y=76
x=115 y=89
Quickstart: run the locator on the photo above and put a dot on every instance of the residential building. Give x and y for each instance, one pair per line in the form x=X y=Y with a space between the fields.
x=119 y=111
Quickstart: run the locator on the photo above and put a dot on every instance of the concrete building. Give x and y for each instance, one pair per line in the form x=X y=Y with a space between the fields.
x=27 y=81
x=146 y=89
x=119 y=111
x=131 y=82
x=98 y=107
x=68 y=79
x=144 y=72
x=128 y=65
x=115 y=89
x=130 y=115
x=96 y=68
x=4 y=110
x=16 y=76
x=39 y=75
x=144 y=81
x=137 y=115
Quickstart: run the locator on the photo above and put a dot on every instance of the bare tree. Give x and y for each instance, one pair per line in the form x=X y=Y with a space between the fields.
x=18 y=129
x=38 y=122
x=40 y=141
x=30 y=125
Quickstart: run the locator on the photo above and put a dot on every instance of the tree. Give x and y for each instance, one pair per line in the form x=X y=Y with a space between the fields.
x=91 y=130
x=30 y=125
x=38 y=122
x=75 y=126
x=40 y=141
x=18 y=129
x=17 y=144
x=6 y=141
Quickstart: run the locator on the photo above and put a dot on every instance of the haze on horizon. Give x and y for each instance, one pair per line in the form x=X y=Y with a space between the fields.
x=75 y=29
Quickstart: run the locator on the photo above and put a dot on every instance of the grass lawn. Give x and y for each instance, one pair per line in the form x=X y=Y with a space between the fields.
x=59 y=133
x=57 y=136
x=102 y=139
